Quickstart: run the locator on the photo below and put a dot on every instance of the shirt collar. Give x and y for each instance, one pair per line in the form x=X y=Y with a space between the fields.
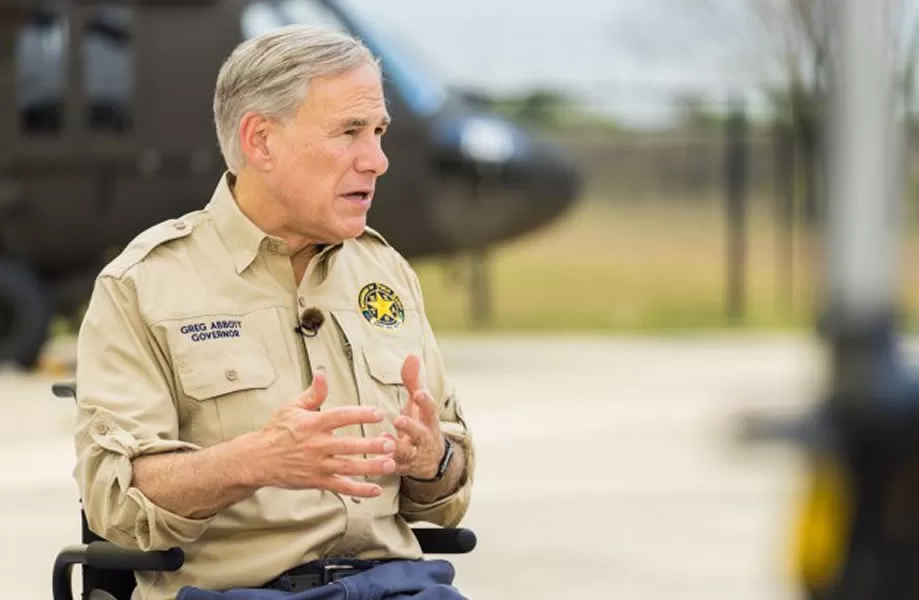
x=242 y=237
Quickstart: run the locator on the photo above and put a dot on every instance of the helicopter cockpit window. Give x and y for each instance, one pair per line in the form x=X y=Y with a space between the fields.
x=108 y=69
x=41 y=49
x=266 y=15
x=42 y=71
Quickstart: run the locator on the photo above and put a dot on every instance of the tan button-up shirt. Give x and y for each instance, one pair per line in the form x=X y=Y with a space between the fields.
x=190 y=340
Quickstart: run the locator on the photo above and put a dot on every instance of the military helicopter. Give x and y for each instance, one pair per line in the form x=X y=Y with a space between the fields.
x=105 y=115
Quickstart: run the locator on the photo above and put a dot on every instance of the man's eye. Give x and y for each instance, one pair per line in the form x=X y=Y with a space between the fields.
x=351 y=132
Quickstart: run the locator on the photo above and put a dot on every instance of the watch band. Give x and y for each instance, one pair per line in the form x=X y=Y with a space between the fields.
x=444 y=463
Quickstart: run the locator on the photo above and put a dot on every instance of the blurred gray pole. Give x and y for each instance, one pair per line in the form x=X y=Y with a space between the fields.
x=785 y=178
x=736 y=209
x=860 y=529
x=480 y=289
x=480 y=280
x=870 y=408
x=860 y=252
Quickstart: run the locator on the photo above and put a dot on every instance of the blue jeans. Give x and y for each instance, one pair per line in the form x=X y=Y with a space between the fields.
x=395 y=580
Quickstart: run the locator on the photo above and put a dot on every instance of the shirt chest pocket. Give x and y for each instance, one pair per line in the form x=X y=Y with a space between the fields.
x=227 y=395
x=382 y=369
x=377 y=358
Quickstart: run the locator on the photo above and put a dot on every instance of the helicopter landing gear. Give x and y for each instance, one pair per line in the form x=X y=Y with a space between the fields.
x=470 y=270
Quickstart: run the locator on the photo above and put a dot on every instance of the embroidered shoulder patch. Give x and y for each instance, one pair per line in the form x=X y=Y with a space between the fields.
x=381 y=306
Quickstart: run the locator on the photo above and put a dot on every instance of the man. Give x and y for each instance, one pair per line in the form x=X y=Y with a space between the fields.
x=257 y=381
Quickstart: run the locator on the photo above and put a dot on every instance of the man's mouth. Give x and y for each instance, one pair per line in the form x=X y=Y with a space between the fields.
x=358 y=195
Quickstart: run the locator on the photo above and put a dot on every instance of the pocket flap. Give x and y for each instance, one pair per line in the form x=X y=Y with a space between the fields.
x=215 y=376
x=384 y=364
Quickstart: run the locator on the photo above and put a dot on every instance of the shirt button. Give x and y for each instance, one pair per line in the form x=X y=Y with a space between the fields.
x=231 y=374
x=301 y=301
x=180 y=225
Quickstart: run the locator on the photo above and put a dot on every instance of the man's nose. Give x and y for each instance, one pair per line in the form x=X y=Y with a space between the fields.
x=373 y=159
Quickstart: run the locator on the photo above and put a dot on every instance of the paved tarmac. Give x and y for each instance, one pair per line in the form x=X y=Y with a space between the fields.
x=607 y=468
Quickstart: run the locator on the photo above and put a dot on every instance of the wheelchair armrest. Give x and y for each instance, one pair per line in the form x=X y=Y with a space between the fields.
x=64 y=389
x=445 y=540
x=108 y=556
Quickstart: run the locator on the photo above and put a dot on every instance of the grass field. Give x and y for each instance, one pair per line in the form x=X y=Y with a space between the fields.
x=605 y=267
x=642 y=268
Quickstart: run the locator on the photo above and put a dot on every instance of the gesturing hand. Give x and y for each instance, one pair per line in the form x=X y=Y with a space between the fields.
x=302 y=450
x=420 y=443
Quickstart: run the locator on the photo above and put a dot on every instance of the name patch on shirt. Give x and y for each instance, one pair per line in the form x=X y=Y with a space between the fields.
x=211 y=330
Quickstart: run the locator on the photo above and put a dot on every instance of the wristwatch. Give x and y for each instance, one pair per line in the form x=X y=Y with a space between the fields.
x=444 y=463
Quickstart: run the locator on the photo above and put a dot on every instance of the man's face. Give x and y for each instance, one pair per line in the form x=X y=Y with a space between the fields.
x=326 y=160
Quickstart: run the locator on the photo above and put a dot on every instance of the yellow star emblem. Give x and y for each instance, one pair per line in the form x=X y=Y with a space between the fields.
x=381 y=306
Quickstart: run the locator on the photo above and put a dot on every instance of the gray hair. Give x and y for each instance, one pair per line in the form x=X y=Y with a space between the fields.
x=269 y=74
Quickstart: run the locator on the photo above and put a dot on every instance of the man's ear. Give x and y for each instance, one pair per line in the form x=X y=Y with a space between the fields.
x=254 y=130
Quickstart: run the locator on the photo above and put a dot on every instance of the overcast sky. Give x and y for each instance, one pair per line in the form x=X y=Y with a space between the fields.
x=627 y=56
x=630 y=53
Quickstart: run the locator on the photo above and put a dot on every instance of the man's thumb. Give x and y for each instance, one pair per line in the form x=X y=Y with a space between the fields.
x=411 y=373
x=313 y=397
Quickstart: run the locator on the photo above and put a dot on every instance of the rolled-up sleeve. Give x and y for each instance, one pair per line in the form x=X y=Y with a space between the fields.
x=450 y=510
x=125 y=409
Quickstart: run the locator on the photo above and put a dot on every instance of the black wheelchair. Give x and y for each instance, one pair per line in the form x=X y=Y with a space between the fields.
x=110 y=568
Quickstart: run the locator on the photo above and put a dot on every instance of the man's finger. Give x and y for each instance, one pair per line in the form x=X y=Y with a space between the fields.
x=427 y=408
x=350 y=446
x=413 y=428
x=405 y=450
x=349 y=487
x=349 y=415
x=315 y=394
x=411 y=374
x=404 y=447
x=354 y=467
x=410 y=409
